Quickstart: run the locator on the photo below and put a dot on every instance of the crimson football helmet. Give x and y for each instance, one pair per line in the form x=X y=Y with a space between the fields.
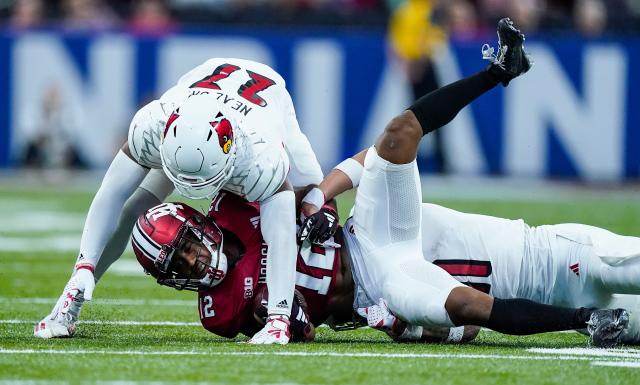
x=164 y=231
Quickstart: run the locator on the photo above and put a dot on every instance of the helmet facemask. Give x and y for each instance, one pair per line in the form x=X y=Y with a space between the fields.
x=206 y=271
x=199 y=188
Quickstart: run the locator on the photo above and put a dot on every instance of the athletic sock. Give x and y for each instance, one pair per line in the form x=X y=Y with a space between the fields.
x=521 y=316
x=439 y=107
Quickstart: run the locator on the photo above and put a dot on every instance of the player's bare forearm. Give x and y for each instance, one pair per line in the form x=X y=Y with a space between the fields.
x=403 y=332
x=440 y=335
x=337 y=181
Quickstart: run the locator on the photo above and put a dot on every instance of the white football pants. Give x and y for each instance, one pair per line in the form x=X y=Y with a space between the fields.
x=387 y=224
x=596 y=268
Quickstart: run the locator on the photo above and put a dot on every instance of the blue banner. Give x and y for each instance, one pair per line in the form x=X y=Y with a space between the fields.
x=572 y=115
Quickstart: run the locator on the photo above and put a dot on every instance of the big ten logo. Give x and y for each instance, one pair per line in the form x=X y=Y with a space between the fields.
x=262 y=278
x=248 y=287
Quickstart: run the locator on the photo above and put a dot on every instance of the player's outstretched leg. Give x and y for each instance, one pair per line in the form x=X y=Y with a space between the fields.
x=399 y=142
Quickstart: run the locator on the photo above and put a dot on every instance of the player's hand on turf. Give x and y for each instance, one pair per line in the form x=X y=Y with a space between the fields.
x=82 y=283
x=319 y=227
x=61 y=322
x=276 y=331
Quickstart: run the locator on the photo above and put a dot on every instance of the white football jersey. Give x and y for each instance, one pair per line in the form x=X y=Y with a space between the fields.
x=270 y=145
x=478 y=250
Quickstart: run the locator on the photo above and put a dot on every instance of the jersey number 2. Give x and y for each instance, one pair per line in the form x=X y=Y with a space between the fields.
x=248 y=91
x=206 y=307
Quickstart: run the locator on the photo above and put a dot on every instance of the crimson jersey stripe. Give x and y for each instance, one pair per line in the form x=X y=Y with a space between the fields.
x=465 y=267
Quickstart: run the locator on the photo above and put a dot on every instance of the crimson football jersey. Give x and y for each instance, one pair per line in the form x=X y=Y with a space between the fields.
x=226 y=309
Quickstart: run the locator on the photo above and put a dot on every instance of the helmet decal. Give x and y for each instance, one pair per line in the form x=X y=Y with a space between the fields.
x=225 y=134
x=172 y=118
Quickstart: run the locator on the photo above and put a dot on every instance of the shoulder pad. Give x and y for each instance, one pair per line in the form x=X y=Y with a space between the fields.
x=261 y=168
x=145 y=134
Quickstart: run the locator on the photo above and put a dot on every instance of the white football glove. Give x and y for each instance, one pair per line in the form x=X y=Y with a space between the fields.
x=379 y=316
x=62 y=320
x=276 y=331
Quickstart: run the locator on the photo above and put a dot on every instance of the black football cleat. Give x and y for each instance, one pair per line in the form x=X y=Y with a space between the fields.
x=606 y=326
x=511 y=60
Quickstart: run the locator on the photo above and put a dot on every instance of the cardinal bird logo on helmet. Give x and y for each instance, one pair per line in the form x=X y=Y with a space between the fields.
x=172 y=118
x=225 y=134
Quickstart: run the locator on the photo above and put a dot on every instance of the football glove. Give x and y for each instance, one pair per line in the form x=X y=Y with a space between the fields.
x=379 y=316
x=318 y=227
x=276 y=331
x=61 y=322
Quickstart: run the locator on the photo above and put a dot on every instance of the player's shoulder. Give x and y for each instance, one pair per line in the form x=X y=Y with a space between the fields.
x=260 y=169
x=231 y=206
x=238 y=216
x=145 y=133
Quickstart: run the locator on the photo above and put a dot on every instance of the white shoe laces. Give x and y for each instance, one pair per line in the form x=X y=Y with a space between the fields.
x=497 y=59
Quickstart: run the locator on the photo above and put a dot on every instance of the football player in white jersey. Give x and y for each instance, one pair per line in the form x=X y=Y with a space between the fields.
x=385 y=232
x=569 y=265
x=228 y=124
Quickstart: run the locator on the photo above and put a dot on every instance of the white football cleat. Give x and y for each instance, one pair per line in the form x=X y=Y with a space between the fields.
x=276 y=331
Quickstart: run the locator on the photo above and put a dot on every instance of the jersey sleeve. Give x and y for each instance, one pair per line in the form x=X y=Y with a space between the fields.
x=305 y=168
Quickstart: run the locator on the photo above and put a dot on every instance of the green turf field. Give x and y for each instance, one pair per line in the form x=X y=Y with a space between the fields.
x=137 y=332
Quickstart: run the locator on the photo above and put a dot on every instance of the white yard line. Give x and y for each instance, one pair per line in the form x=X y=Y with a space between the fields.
x=121 y=323
x=112 y=301
x=40 y=244
x=593 y=352
x=123 y=382
x=302 y=354
x=623 y=364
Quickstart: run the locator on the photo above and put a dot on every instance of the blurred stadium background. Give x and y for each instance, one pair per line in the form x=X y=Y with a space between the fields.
x=558 y=145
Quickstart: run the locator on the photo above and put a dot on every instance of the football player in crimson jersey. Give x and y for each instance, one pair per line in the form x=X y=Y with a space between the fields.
x=228 y=124
x=181 y=249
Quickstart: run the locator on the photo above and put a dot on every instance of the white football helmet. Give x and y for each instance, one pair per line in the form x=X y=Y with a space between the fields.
x=198 y=148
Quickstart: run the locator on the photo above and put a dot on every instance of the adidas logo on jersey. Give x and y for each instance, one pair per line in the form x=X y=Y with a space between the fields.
x=283 y=304
x=255 y=221
x=575 y=268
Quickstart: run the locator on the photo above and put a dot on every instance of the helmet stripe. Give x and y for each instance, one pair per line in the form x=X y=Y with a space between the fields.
x=145 y=243
x=142 y=251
